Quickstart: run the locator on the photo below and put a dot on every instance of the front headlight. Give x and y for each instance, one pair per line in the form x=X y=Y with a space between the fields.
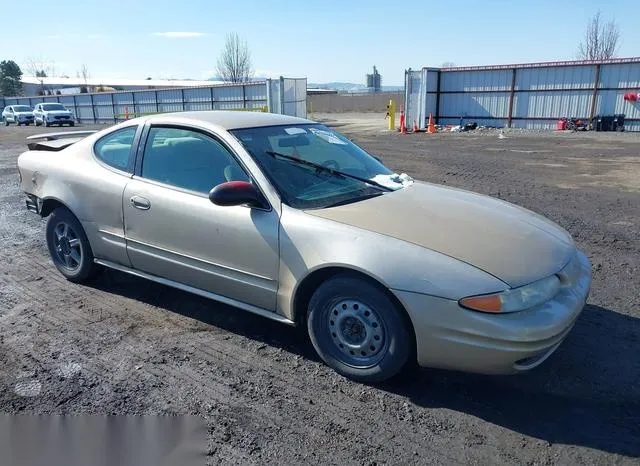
x=515 y=299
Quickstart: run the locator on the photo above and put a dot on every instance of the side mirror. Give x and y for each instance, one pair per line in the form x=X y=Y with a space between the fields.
x=234 y=193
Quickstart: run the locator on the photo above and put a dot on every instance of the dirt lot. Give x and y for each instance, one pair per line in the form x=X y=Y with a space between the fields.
x=125 y=345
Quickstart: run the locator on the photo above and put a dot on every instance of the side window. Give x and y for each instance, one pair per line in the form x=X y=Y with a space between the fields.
x=115 y=149
x=188 y=160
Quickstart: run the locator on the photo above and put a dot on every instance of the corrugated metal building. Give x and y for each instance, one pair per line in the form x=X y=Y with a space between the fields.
x=286 y=96
x=532 y=95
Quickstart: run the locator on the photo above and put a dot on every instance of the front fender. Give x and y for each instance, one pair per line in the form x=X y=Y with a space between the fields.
x=309 y=243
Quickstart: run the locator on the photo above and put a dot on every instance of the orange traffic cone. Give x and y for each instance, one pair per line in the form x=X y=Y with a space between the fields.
x=403 y=127
x=432 y=126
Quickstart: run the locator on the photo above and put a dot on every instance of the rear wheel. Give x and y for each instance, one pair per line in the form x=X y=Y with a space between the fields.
x=69 y=247
x=358 y=330
x=4 y=120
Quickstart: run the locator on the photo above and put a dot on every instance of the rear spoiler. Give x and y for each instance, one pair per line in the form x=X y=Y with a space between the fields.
x=56 y=141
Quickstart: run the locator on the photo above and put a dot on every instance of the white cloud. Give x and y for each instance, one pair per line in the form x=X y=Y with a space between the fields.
x=180 y=35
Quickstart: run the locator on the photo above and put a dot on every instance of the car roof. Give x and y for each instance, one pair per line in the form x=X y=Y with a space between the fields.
x=231 y=119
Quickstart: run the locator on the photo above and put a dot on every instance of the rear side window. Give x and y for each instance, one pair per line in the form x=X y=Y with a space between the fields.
x=114 y=149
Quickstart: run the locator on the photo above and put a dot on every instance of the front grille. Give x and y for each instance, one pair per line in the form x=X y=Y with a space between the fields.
x=62 y=117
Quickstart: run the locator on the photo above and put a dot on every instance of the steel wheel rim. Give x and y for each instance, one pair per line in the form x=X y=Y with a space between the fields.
x=357 y=332
x=67 y=246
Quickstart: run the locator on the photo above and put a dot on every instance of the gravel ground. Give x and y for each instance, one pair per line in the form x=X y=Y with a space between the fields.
x=126 y=346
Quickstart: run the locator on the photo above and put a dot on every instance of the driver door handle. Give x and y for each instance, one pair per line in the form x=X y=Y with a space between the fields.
x=140 y=203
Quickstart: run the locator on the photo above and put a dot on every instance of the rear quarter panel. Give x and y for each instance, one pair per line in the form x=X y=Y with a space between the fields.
x=90 y=190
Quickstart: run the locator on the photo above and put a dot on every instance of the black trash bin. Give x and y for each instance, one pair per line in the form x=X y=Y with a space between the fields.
x=598 y=123
x=605 y=122
x=617 y=124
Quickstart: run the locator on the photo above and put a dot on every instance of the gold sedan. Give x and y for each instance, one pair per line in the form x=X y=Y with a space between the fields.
x=289 y=219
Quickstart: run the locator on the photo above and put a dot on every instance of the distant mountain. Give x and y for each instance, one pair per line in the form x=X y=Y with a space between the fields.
x=350 y=87
x=340 y=86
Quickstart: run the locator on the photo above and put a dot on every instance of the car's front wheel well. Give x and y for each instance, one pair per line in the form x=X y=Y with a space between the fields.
x=311 y=283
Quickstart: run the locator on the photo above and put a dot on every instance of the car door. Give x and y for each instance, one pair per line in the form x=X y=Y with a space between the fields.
x=174 y=231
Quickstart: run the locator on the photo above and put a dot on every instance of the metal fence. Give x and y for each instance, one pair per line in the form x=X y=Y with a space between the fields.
x=286 y=96
x=532 y=96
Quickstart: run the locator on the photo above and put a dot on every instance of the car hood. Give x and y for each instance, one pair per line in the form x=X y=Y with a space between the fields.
x=57 y=112
x=509 y=242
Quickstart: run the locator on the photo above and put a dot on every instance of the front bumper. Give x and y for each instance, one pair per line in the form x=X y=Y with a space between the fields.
x=451 y=337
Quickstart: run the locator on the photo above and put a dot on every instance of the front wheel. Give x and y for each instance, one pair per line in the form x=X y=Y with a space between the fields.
x=69 y=247
x=358 y=330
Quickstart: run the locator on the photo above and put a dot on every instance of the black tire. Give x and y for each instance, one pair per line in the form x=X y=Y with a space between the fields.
x=72 y=124
x=343 y=303
x=46 y=123
x=73 y=269
x=4 y=120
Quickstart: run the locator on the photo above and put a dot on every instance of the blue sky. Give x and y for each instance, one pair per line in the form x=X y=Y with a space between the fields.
x=321 y=40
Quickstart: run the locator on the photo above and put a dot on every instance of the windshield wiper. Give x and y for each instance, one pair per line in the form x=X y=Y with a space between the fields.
x=328 y=170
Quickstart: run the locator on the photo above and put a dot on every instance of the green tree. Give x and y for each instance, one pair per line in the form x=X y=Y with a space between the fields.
x=10 y=75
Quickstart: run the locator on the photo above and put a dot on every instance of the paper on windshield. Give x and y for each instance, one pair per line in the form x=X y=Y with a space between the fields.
x=327 y=136
x=292 y=131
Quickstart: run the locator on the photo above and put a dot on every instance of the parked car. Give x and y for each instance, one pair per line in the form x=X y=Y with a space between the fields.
x=289 y=219
x=18 y=114
x=52 y=113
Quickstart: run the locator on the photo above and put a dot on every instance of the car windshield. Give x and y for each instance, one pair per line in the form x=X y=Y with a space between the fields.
x=21 y=108
x=313 y=166
x=49 y=107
